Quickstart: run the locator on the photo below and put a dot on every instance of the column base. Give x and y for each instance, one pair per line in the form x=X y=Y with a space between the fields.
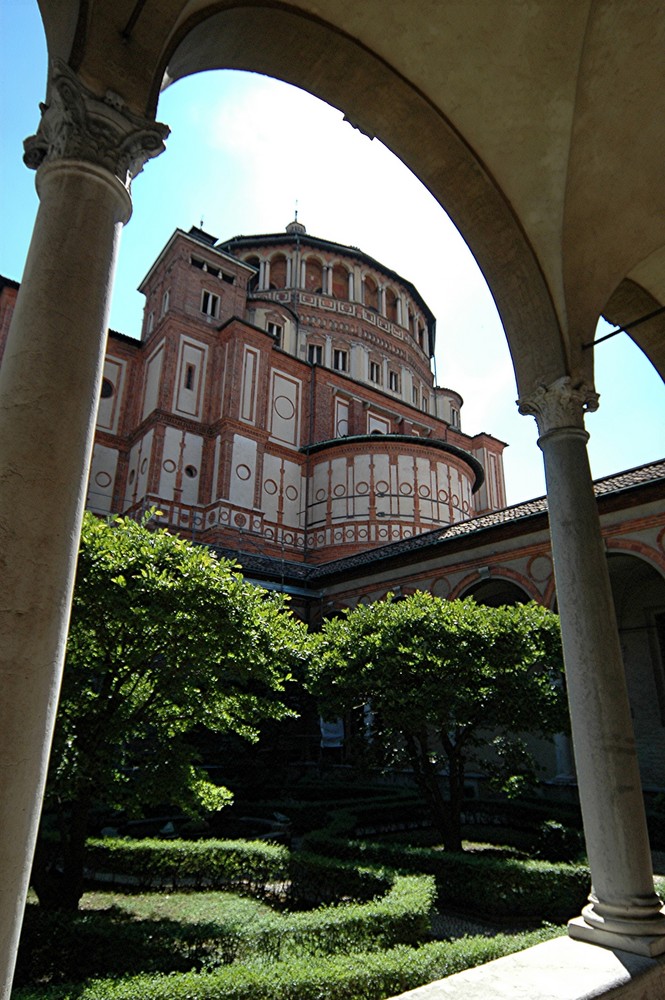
x=625 y=935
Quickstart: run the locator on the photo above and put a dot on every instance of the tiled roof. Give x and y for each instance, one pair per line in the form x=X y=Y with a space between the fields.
x=639 y=476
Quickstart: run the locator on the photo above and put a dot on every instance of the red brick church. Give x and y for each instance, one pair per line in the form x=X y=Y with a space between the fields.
x=280 y=405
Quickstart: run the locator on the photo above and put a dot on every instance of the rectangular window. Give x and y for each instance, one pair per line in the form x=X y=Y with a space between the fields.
x=454 y=416
x=393 y=381
x=341 y=361
x=315 y=354
x=189 y=377
x=375 y=372
x=166 y=297
x=151 y=321
x=425 y=404
x=210 y=304
x=275 y=331
x=414 y=395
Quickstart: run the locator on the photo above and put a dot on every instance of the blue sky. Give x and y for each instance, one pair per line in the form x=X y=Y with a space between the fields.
x=243 y=151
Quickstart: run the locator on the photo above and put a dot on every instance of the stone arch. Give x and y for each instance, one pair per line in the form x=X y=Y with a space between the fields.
x=378 y=100
x=502 y=587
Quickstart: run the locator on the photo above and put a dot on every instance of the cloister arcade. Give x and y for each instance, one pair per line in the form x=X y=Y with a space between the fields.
x=540 y=129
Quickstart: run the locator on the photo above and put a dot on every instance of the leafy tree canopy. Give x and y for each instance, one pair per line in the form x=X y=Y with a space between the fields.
x=441 y=677
x=164 y=639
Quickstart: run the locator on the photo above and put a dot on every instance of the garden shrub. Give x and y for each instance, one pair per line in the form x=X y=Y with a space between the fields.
x=58 y=947
x=314 y=879
x=356 y=976
x=555 y=842
x=509 y=888
x=192 y=863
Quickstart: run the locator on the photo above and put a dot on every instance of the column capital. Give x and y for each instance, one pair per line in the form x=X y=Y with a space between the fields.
x=560 y=404
x=76 y=124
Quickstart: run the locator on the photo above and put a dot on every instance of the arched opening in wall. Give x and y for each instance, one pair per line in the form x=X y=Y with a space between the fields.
x=391 y=305
x=497 y=591
x=340 y=282
x=278 y=271
x=342 y=182
x=314 y=275
x=639 y=600
x=370 y=293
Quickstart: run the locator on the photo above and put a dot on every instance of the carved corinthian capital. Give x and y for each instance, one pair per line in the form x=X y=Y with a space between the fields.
x=78 y=125
x=563 y=403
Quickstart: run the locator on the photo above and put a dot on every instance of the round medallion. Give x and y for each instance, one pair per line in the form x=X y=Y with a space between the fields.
x=284 y=408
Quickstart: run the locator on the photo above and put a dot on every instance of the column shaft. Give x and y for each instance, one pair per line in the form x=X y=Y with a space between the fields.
x=49 y=387
x=624 y=911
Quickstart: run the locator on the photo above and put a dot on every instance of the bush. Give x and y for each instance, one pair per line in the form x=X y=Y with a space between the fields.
x=556 y=842
x=59 y=947
x=509 y=888
x=191 y=863
x=358 y=976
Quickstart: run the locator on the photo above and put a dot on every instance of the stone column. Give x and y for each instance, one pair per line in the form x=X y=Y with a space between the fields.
x=86 y=152
x=623 y=911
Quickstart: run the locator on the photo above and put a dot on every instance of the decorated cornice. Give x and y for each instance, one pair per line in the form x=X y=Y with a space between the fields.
x=76 y=124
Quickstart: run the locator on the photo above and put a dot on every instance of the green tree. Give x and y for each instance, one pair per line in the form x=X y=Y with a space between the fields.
x=444 y=679
x=165 y=640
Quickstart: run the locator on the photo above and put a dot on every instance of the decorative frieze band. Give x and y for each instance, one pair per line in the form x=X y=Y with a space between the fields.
x=78 y=125
x=563 y=403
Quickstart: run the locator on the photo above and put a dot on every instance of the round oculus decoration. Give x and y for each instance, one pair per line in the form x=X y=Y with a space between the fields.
x=291 y=493
x=243 y=472
x=270 y=486
x=103 y=479
x=284 y=407
x=191 y=471
x=168 y=465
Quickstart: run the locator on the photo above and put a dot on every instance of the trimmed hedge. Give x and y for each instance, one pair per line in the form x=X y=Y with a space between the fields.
x=359 y=976
x=190 y=863
x=509 y=888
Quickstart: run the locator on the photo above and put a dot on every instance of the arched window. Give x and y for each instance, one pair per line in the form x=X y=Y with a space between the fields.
x=313 y=276
x=391 y=305
x=370 y=293
x=340 y=282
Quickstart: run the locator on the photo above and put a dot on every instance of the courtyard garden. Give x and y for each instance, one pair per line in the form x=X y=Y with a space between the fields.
x=306 y=887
